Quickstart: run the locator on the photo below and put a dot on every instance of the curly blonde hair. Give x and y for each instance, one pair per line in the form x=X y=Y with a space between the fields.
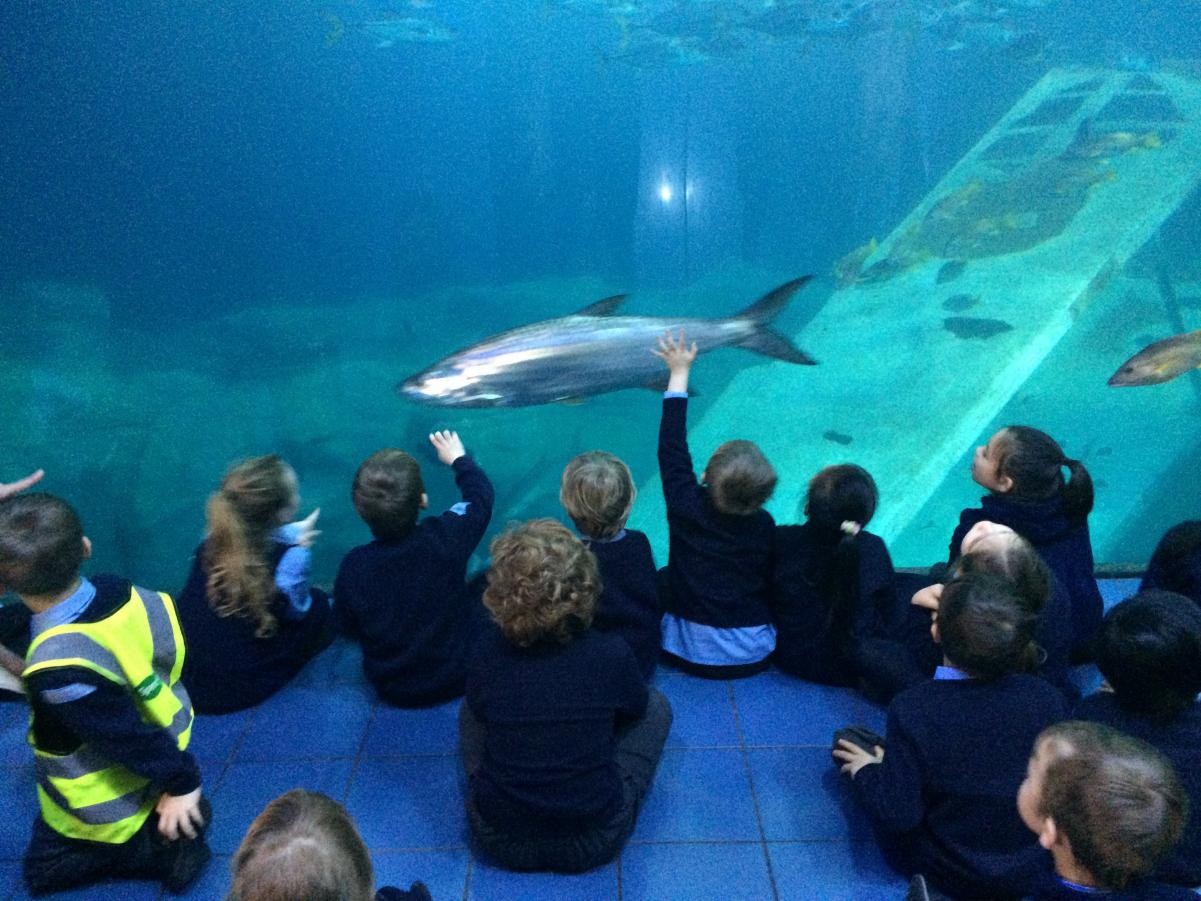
x=597 y=491
x=542 y=585
x=237 y=550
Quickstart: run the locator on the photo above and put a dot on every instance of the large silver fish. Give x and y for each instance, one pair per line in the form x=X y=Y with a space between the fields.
x=1160 y=362
x=590 y=352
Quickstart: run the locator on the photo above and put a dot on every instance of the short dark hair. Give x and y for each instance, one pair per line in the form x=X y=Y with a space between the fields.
x=1115 y=798
x=984 y=627
x=1017 y=562
x=740 y=478
x=387 y=493
x=841 y=493
x=41 y=544
x=1035 y=462
x=1150 y=653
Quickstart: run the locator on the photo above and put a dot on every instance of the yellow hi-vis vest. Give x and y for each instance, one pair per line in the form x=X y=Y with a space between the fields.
x=140 y=647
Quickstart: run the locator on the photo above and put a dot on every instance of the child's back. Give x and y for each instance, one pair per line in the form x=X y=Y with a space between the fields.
x=1176 y=563
x=404 y=595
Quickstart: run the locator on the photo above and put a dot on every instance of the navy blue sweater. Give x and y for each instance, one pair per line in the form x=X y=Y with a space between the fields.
x=629 y=602
x=1053 y=889
x=107 y=718
x=227 y=667
x=719 y=565
x=1176 y=563
x=1179 y=740
x=803 y=610
x=1063 y=544
x=406 y=601
x=550 y=715
x=955 y=756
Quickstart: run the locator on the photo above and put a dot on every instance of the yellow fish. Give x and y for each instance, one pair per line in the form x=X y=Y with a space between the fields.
x=1160 y=362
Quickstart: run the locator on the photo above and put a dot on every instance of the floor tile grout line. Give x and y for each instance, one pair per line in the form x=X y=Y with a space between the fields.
x=750 y=779
x=470 y=874
x=358 y=758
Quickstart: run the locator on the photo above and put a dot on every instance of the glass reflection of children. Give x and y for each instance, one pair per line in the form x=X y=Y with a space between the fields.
x=251 y=618
x=14 y=619
x=718 y=623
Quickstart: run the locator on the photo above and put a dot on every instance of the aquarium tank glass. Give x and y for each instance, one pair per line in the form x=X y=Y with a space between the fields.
x=232 y=229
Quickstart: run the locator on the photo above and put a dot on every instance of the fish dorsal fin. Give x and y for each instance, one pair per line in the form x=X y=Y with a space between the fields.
x=606 y=307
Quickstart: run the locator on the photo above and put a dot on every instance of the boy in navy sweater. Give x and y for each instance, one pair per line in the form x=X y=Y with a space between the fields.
x=1108 y=807
x=110 y=720
x=1150 y=654
x=718 y=622
x=597 y=491
x=941 y=795
x=403 y=596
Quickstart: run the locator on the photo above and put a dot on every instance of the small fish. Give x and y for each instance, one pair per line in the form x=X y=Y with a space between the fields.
x=389 y=30
x=957 y=303
x=1160 y=362
x=1090 y=145
x=837 y=437
x=949 y=271
x=972 y=327
x=846 y=270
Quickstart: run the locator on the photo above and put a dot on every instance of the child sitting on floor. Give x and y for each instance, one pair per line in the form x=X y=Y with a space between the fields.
x=251 y=619
x=1150 y=655
x=305 y=845
x=597 y=491
x=1176 y=563
x=1022 y=468
x=940 y=791
x=110 y=719
x=832 y=580
x=718 y=622
x=404 y=595
x=560 y=735
x=1108 y=807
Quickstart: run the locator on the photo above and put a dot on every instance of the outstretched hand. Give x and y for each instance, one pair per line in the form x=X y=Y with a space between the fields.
x=853 y=758
x=306 y=531
x=679 y=357
x=11 y=488
x=449 y=446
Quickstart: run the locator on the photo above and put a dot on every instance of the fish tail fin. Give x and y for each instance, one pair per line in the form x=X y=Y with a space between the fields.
x=772 y=344
x=768 y=307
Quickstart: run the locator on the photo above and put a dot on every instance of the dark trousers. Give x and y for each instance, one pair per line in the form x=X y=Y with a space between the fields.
x=54 y=863
x=639 y=747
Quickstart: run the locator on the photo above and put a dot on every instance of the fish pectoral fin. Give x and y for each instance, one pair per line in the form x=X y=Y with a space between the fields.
x=606 y=307
x=772 y=344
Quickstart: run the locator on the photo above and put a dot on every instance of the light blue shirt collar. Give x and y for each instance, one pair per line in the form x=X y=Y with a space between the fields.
x=1077 y=887
x=620 y=535
x=950 y=673
x=65 y=611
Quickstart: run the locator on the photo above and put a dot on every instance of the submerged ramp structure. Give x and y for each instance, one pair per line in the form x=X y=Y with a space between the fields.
x=930 y=334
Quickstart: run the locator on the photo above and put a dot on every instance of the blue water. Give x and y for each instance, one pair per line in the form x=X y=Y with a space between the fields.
x=230 y=228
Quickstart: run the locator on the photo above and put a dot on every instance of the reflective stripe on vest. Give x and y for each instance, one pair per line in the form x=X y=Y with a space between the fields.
x=139 y=646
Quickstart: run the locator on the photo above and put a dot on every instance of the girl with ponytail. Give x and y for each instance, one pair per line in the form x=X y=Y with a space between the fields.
x=1024 y=470
x=832 y=586
x=249 y=617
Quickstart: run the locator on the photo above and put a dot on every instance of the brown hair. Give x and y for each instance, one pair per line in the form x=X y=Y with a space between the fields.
x=237 y=549
x=542 y=585
x=984 y=627
x=740 y=478
x=387 y=493
x=597 y=491
x=302 y=845
x=1115 y=798
x=41 y=544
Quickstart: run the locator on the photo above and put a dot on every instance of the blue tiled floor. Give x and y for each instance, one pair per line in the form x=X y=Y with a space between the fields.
x=746 y=803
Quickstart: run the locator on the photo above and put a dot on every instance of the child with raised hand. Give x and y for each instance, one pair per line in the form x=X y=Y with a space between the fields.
x=597 y=491
x=832 y=582
x=1108 y=807
x=718 y=622
x=110 y=719
x=1149 y=652
x=1023 y=470
x=404 y=595
x=305 y=845
x=251 y=618
x=559 y=733
x=940 y=788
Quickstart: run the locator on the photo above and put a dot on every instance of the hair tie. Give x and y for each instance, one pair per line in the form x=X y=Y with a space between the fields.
x=850 y=527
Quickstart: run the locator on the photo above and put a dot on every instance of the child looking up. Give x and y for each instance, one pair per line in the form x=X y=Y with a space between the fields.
x=1150 y=655
x=110 y=719
x=718 y=622
x=597 y=491
x=1023 y=468
x=404 y=595
x=560 y=735
x=940 y=791
x=1108 y=807
x=832 y=584
x=251 y=619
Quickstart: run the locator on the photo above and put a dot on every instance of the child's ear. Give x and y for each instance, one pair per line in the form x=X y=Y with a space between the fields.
x=1048 y=835
x=425 y=501
x=1004 y=484
x=87 y=548
x=934 y=630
